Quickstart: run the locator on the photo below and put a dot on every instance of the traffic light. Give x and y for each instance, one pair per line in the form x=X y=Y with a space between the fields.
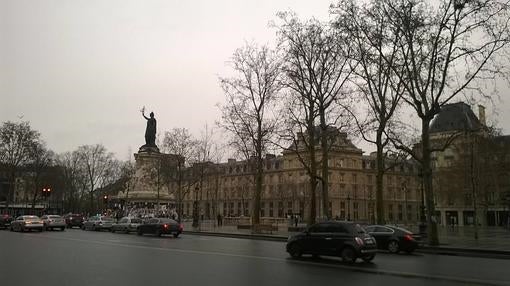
x=46 y=192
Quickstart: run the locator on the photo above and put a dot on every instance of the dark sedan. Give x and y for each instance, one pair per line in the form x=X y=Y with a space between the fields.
x=393 y=238
x=5 y=221
x=334 y=238
x=160 y=226
x=73 y=220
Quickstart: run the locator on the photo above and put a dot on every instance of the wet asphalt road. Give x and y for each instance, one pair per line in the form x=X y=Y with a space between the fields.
x=76 y=257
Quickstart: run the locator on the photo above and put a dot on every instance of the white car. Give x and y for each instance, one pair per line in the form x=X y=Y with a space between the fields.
x=27 y=222
x=126 y=224
x=98 y=223
x=53 y=221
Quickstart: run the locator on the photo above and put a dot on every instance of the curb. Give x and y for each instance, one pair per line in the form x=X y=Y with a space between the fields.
x=454 y=251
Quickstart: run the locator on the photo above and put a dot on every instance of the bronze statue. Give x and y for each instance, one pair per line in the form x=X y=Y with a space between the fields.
x=150 y=131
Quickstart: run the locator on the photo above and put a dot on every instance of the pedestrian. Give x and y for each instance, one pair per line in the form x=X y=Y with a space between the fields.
x=218 y=218
x=296 y=220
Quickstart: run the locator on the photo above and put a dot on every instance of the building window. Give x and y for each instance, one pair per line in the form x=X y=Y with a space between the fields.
x=390 y=212
x=468 y=199
x=409 y=212
x=280 y=209
x=342 y=210
x=400 y=214
x=356 y=210
x=262 y=209
x=271 y=209
x=246 y=209
x=289 y=208
x=450 y=199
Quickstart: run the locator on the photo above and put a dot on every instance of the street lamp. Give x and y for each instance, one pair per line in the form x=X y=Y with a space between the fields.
x=195 y=209
x=349 y=207
x=423 y=224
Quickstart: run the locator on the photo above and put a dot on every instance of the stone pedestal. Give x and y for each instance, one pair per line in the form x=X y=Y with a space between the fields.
x=144 y=187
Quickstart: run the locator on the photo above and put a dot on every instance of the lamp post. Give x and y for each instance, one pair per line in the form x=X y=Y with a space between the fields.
x=195 y=209
x=349 y=207
x=406 y=215
x=423 y=224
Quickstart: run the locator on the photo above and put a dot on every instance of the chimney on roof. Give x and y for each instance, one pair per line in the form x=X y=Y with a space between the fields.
x=481 y=114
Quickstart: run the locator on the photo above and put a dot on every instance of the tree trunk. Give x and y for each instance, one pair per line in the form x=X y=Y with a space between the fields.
x=313 y=167
x=325 y=168
x=380 y=180
x=427 y=183
x=258 y=176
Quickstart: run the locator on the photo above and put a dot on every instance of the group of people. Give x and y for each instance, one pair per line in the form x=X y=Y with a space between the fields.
x=147 y=213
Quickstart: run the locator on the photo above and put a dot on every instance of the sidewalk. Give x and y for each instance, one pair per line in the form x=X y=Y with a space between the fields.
x=489 y=238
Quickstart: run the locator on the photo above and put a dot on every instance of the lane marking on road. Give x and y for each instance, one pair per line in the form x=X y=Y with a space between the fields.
x=472 y=281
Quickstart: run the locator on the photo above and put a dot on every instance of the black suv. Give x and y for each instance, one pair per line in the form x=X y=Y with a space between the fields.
x=334 y=238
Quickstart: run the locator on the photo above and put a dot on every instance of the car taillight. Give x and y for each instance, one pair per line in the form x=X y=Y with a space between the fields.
x=181 y=226
x=408 y=237
x=165 y=225
x=359 y=241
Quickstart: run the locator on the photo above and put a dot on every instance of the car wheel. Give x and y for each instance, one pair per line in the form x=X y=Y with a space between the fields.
x=393 y=246
x=368 y=258
x=62 y=228
x=112 y=230
x=176 y=235
x=139 y=232
x=158 y=232
x=295 y=250
x=409 y=251
x=348 y=255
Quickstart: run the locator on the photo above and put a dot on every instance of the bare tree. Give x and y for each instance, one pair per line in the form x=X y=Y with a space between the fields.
x=74 y=180
x=444 y=50
x=42 y=159
x=17 y=142
x=379 y=88
x=99 y=167
x=182 y=146
x=247 y=114
x=318 y=65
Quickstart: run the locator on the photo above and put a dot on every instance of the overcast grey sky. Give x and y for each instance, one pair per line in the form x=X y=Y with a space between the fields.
x=80 y=71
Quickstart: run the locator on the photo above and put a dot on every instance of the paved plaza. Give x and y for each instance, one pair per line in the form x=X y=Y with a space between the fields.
x=489 y=238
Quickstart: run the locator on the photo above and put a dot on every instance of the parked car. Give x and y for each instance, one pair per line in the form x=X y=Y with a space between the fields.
x=27 y=222
x=160 y=226
x=5 y=221
x=347 y=240
x=126 y=224
x=73 y=220
x=53 y=221
x=98 y=223
x=393 y=238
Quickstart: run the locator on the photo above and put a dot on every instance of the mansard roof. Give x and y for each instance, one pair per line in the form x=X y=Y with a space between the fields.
x=455 y=117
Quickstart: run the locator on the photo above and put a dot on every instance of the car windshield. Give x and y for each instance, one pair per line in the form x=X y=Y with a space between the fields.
x=107 y=219
x=54 y=216
x=136 y=220
x=33 y=217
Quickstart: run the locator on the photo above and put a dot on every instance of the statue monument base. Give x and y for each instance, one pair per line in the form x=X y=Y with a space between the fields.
x=144 y=188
